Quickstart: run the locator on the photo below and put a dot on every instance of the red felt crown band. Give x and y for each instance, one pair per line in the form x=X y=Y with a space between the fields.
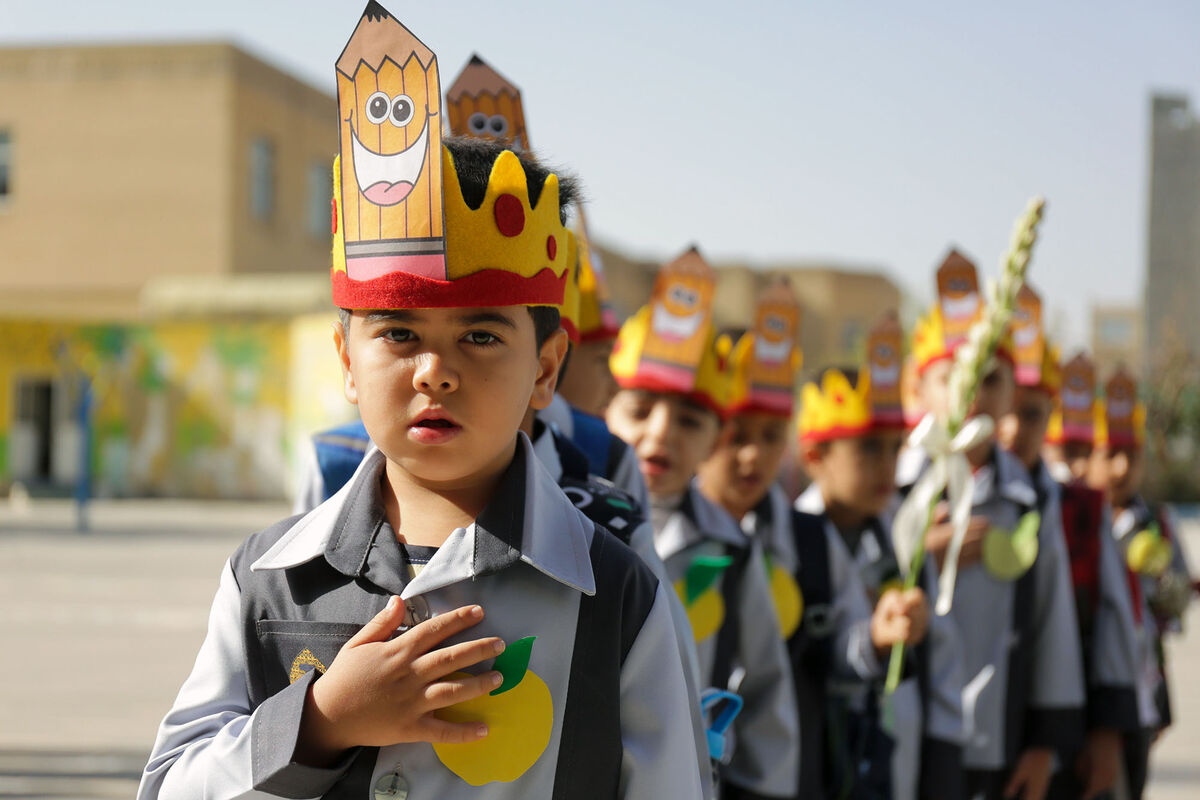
x=488 y=287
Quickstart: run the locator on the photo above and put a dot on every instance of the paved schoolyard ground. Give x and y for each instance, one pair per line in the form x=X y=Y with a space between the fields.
x=100 y=629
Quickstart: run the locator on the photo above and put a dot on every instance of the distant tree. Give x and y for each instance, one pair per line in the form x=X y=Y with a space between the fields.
x=1172 y=397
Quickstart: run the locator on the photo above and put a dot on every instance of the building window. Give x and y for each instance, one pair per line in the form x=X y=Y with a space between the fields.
x=5 y=165
x=320 y=195
x=262 y=179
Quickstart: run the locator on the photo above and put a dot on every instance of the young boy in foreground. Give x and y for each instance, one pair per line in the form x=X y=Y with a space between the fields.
x=448 y=625
x=1012 y=605
x=669 y=410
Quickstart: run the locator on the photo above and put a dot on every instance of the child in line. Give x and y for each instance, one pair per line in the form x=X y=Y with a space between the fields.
x=1023 y=693
x=669 y=409
x=850 y=447
x=345 y=648
x=1158 y=575
x=1104 y=613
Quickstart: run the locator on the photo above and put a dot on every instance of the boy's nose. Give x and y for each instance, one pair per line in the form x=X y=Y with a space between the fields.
x=433 y=374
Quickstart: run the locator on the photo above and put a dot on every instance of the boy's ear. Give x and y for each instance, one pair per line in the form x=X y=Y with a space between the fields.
x=812 y=457
x=343 y=351
x=550 y=358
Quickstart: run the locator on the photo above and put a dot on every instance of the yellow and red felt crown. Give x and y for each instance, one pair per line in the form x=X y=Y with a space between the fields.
x=939 y=333
x=404 y=237
x=835 y=408
x=1123 y=423
x=592 y=316
x=1074 y=418
x=481 y=102
x=670 y=345
x=766 y=359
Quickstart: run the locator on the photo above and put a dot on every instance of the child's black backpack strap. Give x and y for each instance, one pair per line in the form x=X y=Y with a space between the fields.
x=731 y=628
x=1020 y=660
x=590 y=749
x=812 y=642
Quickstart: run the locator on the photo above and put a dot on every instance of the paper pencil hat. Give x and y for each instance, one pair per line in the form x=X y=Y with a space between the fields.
x=765 y=360
x=404 y=237
x=885 y=366
x=939 y=333
x=910 y=392
x=1074 y=419
x=594 y=318
x=670 y=345
x=482 y=102
x=837 y=408
x=1124 y=416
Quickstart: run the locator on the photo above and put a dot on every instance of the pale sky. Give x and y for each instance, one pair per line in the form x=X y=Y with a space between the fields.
x=870 y=134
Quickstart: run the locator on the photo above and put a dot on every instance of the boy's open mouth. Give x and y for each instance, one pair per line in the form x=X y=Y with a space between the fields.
x=656 y=465
x=430 y=427
x=436 y=423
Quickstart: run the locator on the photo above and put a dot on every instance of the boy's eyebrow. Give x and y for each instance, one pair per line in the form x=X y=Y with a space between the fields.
x=391 y=315
x=478 y=317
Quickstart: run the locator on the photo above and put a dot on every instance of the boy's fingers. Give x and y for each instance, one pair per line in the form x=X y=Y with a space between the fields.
x=383 y=624
x=432 y=632
x=441 y=662
x=442 y=732
x=440 y=694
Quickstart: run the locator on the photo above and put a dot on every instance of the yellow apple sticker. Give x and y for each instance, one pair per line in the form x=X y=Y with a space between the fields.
x=787 y=597
x=1009 y=555
x=1149 y=553
x=519 y=714
x=698 y=591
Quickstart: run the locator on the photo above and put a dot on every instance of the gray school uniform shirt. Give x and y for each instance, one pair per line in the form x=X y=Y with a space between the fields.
x=289 y=598
x=641 y=541
x=1127 y=524
x=846 y=619
x=1022 y=670
x=1111 y=655
x=926 y=708
x=765 y=736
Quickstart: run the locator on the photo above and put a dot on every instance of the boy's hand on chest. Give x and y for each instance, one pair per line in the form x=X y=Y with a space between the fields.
x=382 y=691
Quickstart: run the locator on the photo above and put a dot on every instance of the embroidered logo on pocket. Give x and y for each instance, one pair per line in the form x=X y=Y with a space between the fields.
x=305 y=659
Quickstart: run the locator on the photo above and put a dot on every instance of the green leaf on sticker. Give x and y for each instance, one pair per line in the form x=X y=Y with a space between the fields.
x=1155 y=530
x=513 y=663
x=703 y=573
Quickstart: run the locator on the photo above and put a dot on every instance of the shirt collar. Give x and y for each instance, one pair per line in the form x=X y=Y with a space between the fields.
x=555 y=540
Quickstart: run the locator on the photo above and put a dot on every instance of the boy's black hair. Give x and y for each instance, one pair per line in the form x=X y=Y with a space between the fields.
x=545 y=322
x=473 y=161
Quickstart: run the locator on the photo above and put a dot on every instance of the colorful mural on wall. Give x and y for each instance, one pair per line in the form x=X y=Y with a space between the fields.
x=179 y=409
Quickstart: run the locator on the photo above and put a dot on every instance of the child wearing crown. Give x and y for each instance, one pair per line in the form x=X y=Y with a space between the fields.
x=1012 y=606
x=1159 y=577
x=1104 y=613
x=851 y=429
x=482 y=103
x=670 y=368
x=448 y=625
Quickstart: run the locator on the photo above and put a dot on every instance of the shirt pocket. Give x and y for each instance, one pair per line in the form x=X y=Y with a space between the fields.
x=290 y=648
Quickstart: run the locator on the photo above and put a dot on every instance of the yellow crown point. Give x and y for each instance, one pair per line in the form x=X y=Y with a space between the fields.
x=929 y=339
x=568 y=310
x=836 y=409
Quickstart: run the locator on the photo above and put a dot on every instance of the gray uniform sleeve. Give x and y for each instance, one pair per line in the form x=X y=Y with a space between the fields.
x=641 y=541
x=941 y=768
x=629 y=478
x=1112 y=668
x=854 y=654
x=1055 y=710
x=212 y=745
x=766 y=760
x=660 y=757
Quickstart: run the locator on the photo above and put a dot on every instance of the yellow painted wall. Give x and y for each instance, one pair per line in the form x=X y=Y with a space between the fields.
x=184 y=409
